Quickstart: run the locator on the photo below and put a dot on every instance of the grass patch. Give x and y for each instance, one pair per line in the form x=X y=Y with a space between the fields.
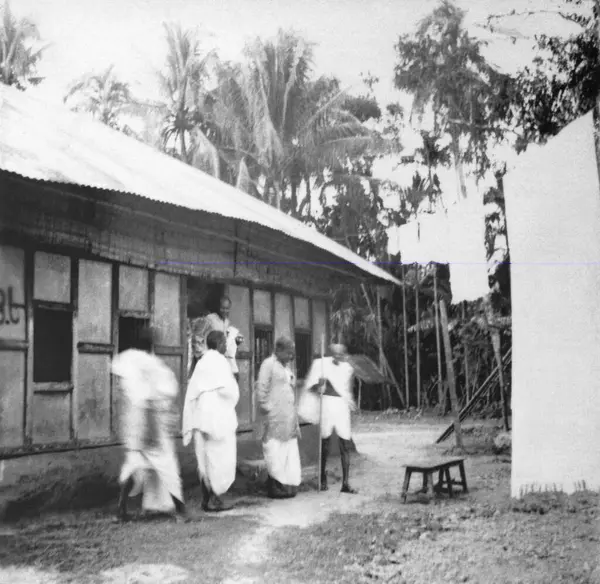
x=546 y=501
x=349 y=548
x=81 y=547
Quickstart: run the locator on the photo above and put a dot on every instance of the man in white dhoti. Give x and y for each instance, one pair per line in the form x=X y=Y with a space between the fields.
x=210 y=420
x=276 y=397
x=216 y=321
x=147 y=425
x=333 y=377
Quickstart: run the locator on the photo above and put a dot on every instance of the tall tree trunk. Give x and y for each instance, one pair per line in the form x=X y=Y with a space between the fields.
x=305 y=203
x=277 y=193
x=458 y=167
x=440 y=387
x=450 y=373
x=418 y=337
x=405 y=340
x=268 y=191
x=184 y=155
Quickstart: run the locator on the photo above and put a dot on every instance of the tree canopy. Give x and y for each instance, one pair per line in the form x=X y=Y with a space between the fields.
x=20 y=52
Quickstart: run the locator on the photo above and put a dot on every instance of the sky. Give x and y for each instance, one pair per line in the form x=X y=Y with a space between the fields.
x=352 y=37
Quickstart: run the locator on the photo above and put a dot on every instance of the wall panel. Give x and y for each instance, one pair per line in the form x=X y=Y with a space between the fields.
x=319 y=325
x=12 y=293
x=95 y=304
x=93 y=397
x=52 y=277
x=244 y=407
x=167 y=309
x=302 y=313
x=51 y=418
x=174 y=363
x=133 y=288
x=12 y=395
x=262 y=307
x=240 y=313
x=283 y=316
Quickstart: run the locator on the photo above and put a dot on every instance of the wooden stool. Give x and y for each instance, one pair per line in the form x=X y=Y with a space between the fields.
x=445 y=481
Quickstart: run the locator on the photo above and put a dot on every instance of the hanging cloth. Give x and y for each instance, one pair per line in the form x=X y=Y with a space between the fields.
x=466 y=250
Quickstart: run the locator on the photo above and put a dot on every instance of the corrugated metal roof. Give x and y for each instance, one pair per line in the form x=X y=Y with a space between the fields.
x=47 y=142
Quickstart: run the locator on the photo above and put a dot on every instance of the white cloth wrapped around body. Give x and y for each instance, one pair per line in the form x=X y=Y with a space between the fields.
x=335 y=411
x=210 y=420
x=283 y=461
x=147 y=424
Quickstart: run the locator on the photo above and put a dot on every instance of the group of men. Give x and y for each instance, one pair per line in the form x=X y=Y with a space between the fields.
x=209 y=416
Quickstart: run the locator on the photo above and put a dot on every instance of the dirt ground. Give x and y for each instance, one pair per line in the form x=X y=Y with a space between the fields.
x=481 y=537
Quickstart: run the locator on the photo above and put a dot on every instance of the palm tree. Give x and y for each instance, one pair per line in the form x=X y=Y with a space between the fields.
x=103 y=95
x=183 y=84
x=280 y=125
x=18 y=55
x=433 y=155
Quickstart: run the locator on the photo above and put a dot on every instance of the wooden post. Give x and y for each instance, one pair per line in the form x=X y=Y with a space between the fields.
x=321 y=412
x=440 y=387
x=359 y=393
x=379 y=331
x=450 y=373
x=405 y=335
x=418 y=337
x=495 y=335
x=498 y=354
x=466 y=350
x=383 y=359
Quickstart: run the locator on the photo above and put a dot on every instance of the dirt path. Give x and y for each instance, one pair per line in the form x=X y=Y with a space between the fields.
x=329 y=537
x=376 y=471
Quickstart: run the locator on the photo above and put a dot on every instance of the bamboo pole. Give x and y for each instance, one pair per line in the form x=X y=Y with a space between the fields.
x=497 y=353
x=359 y=393
x=466 y=350
x=418 y=338
x=437 y=341
x=379 y=330
x=321 y=412
x=405 y=335
x=450 y=373
x=495 y=335
x=388 y=369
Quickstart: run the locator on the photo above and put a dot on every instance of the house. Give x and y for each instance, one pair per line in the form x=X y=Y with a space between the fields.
x=100 y=233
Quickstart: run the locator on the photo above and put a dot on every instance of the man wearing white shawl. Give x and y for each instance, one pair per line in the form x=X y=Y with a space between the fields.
x=210 y=420
x=216 y=321
x=276 y=397
x=333 y=377
x=147 y=424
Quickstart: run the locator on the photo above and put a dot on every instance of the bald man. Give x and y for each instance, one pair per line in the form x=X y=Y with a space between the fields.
x=276 y=397
x=334 y=379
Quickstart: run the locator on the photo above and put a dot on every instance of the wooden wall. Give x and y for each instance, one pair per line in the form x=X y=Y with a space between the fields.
x=42 y=405
x=88 y=259
x=83 y=407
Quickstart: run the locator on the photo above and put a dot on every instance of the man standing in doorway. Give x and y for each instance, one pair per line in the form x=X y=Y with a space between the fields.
x=216 y=321
x=333 y=378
